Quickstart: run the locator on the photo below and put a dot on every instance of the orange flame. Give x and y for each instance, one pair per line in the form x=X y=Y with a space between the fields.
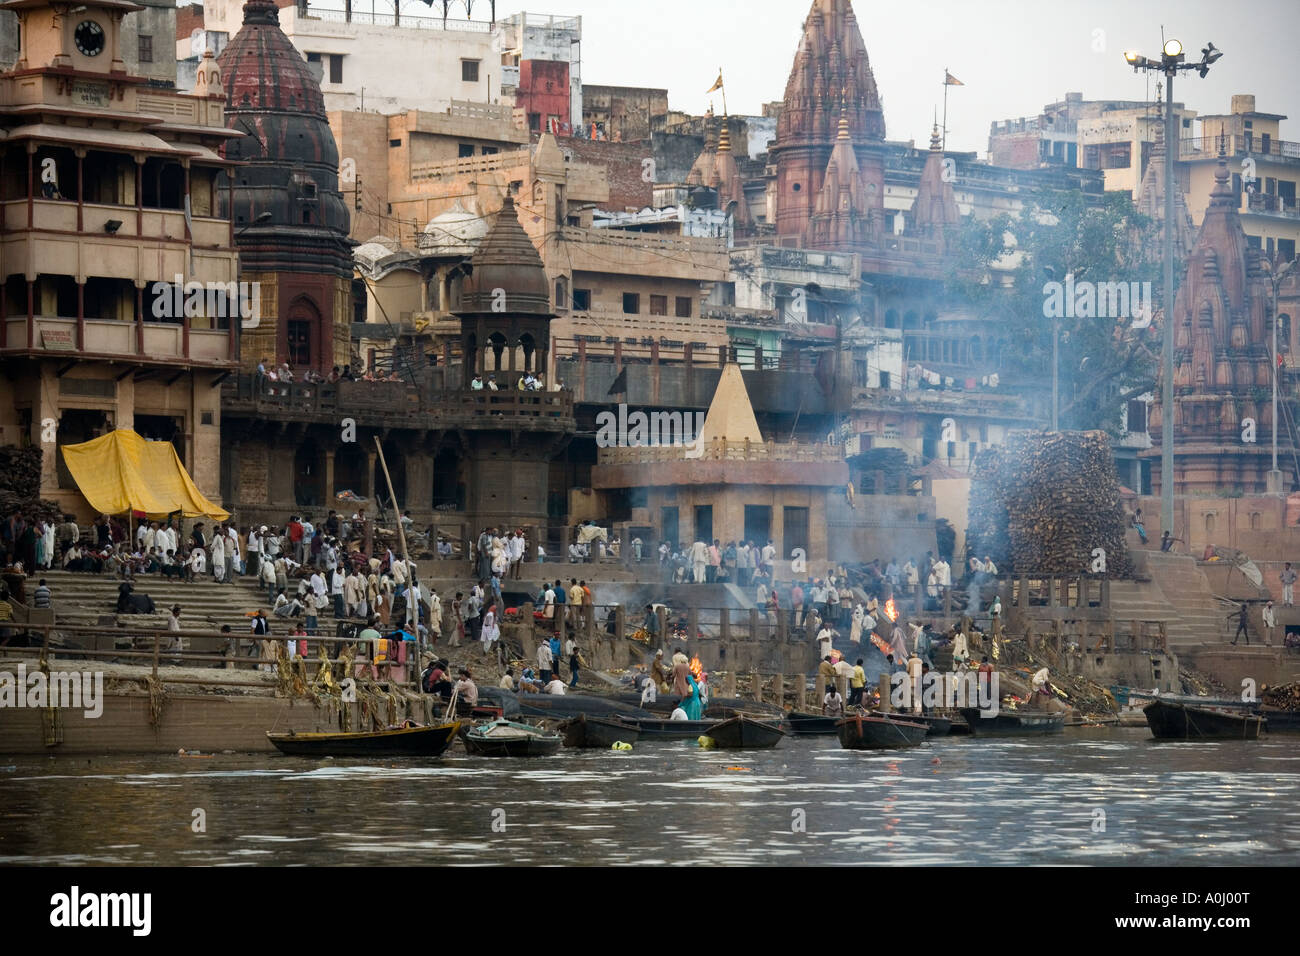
x=697 y=668
x=891 y=611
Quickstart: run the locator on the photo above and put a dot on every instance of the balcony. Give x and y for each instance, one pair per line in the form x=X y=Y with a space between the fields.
x=1207 y=147
x=152 y=343
x=1264 y=204
x=426 y=405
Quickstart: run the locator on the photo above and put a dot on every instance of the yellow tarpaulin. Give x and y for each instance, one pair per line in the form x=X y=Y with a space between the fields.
x=121 y=472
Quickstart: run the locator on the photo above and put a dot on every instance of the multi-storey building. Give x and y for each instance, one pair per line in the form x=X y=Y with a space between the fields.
x=111 y=191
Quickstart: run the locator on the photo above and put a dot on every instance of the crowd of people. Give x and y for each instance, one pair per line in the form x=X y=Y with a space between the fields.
x=285 y=373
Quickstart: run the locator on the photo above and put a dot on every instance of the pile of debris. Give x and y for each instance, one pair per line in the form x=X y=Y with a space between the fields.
x=1045 y=502
x=1200 y=684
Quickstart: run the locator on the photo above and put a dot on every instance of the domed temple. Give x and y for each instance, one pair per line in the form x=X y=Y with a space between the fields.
x=291 y=224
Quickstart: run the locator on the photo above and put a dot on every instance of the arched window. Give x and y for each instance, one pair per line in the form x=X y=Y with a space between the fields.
x=1209 y=523
x=561 y=293
x=302 y=333
x=1254 y=521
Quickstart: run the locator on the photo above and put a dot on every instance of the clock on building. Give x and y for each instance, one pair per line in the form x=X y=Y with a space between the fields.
x=89 y=37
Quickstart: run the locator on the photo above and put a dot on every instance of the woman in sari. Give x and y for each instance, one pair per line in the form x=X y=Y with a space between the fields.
x=691 y=701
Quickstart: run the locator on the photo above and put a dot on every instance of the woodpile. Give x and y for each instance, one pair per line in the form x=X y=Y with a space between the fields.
x=1045 y=501
x=1286 y=697
x=20 y=484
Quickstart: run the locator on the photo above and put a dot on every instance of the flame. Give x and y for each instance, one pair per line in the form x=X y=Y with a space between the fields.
x=697 y=669
x=891 y=611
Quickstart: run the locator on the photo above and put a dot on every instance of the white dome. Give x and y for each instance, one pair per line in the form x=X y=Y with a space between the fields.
x=456 y=232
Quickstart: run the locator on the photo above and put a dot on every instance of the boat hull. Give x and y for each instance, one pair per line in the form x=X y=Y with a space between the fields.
x=938 y=726
x=744 y=733
x=406 y=742
x=811 y=725
x=1014 y=723
x=588 y=731
x=879 y=733
x=1280 y=721
x=1174 y=721
x=652 y=729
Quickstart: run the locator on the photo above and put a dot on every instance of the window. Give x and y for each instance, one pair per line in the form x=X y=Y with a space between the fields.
x=582 y=300
x=561 y=293
x=884 y=380
x=394 y=143
x=658 y=305
x=860 y=370
x=535 y=121
x=631 y=303
x=490 y=150
x=146 y=48
x=464 y=150
x=469 y=71
x=683 y=307
x=336 y=67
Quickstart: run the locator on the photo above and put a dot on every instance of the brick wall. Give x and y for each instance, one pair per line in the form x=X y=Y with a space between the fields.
x=624 y=164
x=188 y=19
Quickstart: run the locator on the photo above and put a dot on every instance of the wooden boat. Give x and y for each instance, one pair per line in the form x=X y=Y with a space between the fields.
x=878 y=732
x=506 y=738
x=1013 y=723
x=939 y=726
x=742 y=732
x=1171 y=720
x=811 y=725
x=655 y=729
x=400 y=742
x=586 y=730
x=1280 y=721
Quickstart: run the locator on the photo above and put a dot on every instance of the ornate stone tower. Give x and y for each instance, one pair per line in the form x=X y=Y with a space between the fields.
x=831 y=78
x=843 y=215
x=1222 y=372
x=505 y=319
x=291 y=225
x=934 y=210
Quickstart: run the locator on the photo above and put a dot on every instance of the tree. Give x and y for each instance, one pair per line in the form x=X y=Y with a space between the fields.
x=1014 y=271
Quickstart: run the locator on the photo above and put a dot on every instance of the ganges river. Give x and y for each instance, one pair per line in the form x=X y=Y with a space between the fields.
x=1088 y=797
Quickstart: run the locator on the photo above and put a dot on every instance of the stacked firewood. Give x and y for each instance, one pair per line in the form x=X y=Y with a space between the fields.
x=1047 y=501
x=1285 y=697
x=20 y=484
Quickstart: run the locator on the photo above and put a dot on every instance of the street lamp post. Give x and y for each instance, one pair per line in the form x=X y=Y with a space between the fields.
x=1170 y=62
x=1275 y=277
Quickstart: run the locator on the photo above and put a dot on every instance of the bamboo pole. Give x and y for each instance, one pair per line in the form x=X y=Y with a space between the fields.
x=410 y=571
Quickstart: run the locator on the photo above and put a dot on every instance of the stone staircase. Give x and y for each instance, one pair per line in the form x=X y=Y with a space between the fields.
x=1177 y=593
x=89 y=599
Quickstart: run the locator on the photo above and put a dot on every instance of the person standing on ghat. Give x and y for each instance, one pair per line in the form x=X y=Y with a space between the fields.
x=1288 y=578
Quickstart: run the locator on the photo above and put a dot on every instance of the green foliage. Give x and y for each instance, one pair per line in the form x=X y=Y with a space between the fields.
x=999 y=270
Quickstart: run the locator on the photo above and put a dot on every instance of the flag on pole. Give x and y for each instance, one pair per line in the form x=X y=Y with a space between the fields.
x=950 y=80
x=717 y=85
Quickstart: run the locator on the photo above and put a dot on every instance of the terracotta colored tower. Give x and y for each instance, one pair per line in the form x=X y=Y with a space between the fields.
x=934 y=210
x=1222 y=315
x=291 y=224
x=831 y=78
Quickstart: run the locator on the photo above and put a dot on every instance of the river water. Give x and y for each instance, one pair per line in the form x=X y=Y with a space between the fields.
x=1091 y=796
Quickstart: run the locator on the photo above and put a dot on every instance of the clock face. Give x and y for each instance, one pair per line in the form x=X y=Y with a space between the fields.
x=89 y=37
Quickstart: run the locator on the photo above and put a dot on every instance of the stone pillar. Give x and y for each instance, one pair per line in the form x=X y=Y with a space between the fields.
x=692 y=623
x=753 y=623
x=801 y=693
x=756 y=685
x=778 y=690
x=729 y=684
x=328 y=487
x=886 y=705
x=620 y=623
x=371 y=458
x=724 y=624
x=819 y=687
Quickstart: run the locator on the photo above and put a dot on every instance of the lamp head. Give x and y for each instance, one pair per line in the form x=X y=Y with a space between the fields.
x=1173 y=49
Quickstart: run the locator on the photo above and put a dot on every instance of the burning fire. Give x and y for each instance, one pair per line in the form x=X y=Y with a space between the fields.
x=697 y=669
x=891 y=611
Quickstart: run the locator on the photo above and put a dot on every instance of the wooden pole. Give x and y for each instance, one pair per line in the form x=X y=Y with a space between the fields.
x=401 y=537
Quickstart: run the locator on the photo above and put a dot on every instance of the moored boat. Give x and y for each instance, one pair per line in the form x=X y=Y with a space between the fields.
x=741 y=732
x=656 y=729
x=587 y=730
x=1172 y=720
x=506 y=738
x=810 y=725
x=939 y=725
x=1278 y=721
x=399 y=742
x=1013 y=723
x=879 y=732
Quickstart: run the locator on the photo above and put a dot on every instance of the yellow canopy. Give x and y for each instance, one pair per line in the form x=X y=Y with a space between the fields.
x=121 y=472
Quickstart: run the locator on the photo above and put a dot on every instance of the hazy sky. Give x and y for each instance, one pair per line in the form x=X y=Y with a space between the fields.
x=1013 y=55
